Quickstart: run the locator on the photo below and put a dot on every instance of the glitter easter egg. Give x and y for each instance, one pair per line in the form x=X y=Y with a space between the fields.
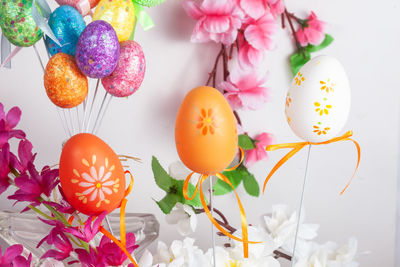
x=91 y=175
x=120 y=14
x=83 y=6
x=67 y=25
x=97 y=50
x=17 y=24
x=65 y=85
x=129 y=73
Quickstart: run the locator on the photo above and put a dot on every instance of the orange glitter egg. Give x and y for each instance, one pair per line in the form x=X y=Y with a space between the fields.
x=205 y=131
x=65 y=84
x=91 y=175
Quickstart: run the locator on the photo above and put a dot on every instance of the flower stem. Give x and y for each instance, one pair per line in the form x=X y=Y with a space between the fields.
x=289 y=19
x=38 y=211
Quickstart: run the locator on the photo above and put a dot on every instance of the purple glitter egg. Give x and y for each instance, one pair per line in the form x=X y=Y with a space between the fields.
x=97 y=50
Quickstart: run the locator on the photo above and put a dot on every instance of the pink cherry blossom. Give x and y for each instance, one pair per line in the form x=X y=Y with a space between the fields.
x=257 y=8
x=258 y=153
x=312 y=32
x=245 y=89
x=217 y=20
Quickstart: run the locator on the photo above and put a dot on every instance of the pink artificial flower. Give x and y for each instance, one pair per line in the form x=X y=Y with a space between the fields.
x=8 y=123
x=217 y=20
x=312 y=32
x=4 y=167
x=257 y=38
x=25 y=156
x=63 y=245
x=258 y=153
x=257 y=8
x=32 y=185
x=89 y=259
x=244 y=89
x=12 y=257
x=90 y=230
x=113 y=255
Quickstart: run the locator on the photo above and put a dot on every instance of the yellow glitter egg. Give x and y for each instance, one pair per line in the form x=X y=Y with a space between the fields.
x=120 y=14
x=65 y=84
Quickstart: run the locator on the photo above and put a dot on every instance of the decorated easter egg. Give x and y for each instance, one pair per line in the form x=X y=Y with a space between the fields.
x=318 y=100
x=97 y=50
x=67 y=25
x=120 y=14
x=65 y=84
x=129 y=73
x=205 y=131
x=91 y=175
x=17 y=23
x=83 y=6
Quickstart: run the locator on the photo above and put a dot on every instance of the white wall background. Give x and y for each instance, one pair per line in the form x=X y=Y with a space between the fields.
x=367 y=38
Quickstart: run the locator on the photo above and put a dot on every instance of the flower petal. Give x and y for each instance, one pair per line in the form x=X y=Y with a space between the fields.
x=13 y=117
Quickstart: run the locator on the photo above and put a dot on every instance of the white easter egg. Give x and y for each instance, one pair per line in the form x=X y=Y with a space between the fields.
x=318 y=100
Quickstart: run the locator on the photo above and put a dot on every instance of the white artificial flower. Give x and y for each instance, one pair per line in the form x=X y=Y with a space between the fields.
x=184 y=216
x=181 y=254
x=178 y=170
x=147 y=260
x=330 y=255
x=282 y=227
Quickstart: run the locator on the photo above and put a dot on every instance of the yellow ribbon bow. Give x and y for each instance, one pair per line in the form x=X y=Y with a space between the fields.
x=203 y=177
x=296 y=147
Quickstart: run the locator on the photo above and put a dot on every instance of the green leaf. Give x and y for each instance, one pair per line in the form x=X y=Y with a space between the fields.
x=195 y=202
x=298 y=59
x=246 y=142
x=168 y=202
x=250 y=184
x=149 y=3
x=235 y=177
x=327 y=41
x=163 y=180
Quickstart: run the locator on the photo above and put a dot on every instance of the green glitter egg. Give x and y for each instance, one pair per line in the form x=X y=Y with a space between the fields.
x=17 y=23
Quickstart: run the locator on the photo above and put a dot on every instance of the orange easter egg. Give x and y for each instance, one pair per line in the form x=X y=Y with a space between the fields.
x=65 y=84
x=205 y=131
x=91 y=175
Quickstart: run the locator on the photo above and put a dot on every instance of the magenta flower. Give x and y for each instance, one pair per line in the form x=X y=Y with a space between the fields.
x=62 y=243
x=312 y=31
x=257 y=38
x=12 y=257
x=244 y=89
x=217 y=20
x=8 y=123
x=90 y=230
x=258 y=153
x=113 y=255
x=89 y=259
x=25 y=156
x=33 y=185
x=4 y=167
x=57 y=229
x=257 y=8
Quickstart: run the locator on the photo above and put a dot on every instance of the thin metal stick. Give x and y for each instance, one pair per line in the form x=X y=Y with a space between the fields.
x=102 y=116
x=62 y=122
x=300 y=207
x=38 y=56
x=78 y=118
x=70 y=119
x=66 y=122
x=212 y=226
x=91 y=108
x=109 y=225
x=84 y=113
x=100 y=111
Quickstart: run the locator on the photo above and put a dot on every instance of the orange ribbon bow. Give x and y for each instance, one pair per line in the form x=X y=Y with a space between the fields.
x=298 y=146
x=203 y=177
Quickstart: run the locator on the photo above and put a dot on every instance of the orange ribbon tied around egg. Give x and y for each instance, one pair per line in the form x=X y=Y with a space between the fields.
x=296 y=147
x=203 y=177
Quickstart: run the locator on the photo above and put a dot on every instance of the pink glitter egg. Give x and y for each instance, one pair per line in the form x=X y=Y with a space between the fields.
x=129 y=73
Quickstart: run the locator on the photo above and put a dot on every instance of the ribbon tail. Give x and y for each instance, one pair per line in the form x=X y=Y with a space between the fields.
x=240 y=161
x=358 y=164
x=10 y=56
x=5 y=50
x=122 y=228
x=282 y=161
x=40 y=19
x=186 y=186
x=143 y=17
